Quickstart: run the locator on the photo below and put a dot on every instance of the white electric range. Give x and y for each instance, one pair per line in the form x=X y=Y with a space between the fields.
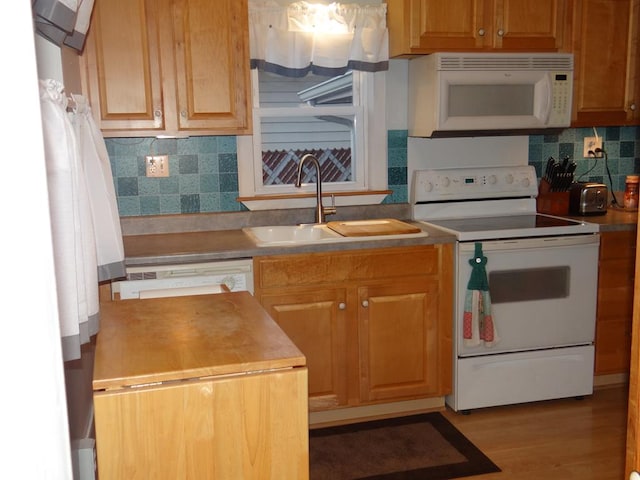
x=541 y=272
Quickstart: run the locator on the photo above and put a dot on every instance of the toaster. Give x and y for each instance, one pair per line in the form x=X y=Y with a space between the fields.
x=588 y=198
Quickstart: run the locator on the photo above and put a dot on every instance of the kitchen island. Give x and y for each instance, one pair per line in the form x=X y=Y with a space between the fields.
x=205 y=386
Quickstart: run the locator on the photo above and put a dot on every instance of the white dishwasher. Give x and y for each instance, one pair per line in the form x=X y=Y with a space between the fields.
x=186 y=279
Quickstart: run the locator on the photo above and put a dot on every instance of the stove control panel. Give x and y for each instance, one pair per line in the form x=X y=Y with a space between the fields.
x=439 y=185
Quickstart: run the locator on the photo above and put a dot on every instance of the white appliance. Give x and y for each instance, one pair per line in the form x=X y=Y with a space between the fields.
x=542 y=275
x=453 y=94
x=186 y=279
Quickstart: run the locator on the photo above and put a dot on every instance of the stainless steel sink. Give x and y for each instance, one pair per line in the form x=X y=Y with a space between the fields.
x=282 y=235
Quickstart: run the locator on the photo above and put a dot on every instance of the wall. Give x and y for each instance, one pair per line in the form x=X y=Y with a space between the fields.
x=204 y=170
x=33 y=417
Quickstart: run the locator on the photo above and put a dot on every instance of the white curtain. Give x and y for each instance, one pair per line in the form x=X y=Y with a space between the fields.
x=323 y=39
x=87 y=239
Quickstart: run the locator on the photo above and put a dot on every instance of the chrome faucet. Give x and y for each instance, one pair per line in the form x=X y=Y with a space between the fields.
x=320 y=210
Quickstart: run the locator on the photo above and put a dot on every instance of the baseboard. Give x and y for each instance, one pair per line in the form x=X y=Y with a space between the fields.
x=341 y=416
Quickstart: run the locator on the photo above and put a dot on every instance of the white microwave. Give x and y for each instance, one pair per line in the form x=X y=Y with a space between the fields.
x=456 y=94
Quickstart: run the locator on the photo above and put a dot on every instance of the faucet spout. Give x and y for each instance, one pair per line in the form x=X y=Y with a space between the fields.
x=320 y=210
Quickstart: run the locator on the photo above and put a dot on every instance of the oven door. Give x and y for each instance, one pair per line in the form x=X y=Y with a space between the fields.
x=542 y=291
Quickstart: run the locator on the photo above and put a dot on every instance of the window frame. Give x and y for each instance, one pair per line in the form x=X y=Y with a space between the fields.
x=370 y=183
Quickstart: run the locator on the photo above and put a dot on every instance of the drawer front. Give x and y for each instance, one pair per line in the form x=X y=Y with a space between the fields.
x=328 y=268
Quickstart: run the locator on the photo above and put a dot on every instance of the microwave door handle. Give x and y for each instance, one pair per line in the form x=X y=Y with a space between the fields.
x=544 y=92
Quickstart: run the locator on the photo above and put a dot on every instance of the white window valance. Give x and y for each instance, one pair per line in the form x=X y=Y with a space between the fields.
x=329 y=39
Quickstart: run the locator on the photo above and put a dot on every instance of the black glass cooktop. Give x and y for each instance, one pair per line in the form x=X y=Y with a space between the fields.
x=511 y=226
x=508 y=222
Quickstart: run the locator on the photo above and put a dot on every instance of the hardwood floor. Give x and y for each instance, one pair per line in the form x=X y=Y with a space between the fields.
x=560 y=439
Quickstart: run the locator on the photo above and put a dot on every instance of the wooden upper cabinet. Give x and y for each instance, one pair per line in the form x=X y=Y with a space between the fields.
x=170 y=67
x=530 y=25
x=212 y=64
x=122 y=60
x=428 y=26
x=606 y=77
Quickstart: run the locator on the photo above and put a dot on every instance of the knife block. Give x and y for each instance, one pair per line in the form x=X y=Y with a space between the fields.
x=551 y=203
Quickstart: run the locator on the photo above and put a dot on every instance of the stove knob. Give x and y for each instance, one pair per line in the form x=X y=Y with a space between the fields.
x=445 y=181
x=493 y=179
x=525 y=182
x=428 y=186
x=509 y=178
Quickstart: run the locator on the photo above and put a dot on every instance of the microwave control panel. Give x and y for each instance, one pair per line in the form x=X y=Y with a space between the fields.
x=562 y=92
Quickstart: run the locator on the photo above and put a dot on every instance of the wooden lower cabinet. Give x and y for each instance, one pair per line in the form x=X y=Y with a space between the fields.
x=375 y=325
x=615 y=302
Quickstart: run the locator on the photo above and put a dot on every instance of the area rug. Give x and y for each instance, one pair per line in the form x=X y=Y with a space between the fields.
x=417 y=447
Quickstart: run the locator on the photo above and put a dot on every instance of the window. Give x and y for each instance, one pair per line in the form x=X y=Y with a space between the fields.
x=341 y=120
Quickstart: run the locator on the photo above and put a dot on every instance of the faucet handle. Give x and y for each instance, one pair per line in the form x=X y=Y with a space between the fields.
x=332 y=209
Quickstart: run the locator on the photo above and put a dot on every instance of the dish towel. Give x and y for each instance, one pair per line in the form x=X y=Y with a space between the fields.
x=478 y=325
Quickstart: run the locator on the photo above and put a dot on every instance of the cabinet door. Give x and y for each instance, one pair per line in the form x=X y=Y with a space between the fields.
x=427 y=26
x=615 y=302
x=212 y=65
x=529 y=25
x=122 y=60
x=605 y=79
x=316 y=323
x=452 y=25
x=401 y=354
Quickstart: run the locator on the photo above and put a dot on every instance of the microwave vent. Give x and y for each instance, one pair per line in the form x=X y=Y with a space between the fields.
x=480 y=61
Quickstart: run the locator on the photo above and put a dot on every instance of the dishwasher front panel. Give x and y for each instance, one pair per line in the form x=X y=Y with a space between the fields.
x=176 y=280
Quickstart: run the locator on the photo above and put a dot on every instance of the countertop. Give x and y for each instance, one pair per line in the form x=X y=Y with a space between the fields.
x=212 y=245
x=196 y=238
x=615 y=219
x=177 y=338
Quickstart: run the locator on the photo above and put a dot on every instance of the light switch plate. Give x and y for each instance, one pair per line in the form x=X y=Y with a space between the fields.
x=157 y=165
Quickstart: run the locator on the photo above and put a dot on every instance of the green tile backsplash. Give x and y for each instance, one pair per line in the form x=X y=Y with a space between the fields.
x=621 y=144
x=203 y=171
x=203 y=175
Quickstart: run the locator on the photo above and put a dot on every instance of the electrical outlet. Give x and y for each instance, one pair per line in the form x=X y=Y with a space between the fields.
x=591 y=143
x=157 y=165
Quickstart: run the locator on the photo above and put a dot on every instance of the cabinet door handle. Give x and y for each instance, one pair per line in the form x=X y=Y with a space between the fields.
x=481 y=32
x=157 y=112
x=365 y=303
x=500 y=33
x=183 y=114
x=342 y=306
x=632 y=107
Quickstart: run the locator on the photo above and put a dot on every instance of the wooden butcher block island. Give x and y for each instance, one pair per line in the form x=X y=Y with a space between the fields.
x=198 y=387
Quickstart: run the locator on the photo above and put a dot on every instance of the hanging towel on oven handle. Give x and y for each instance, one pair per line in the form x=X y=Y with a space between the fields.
x=478 y=325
